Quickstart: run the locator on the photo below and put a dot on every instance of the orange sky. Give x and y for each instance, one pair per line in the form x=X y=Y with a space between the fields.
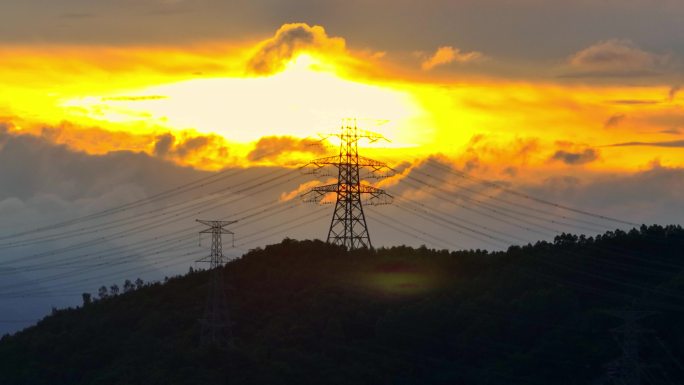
x=218 y=99
x=577 y=103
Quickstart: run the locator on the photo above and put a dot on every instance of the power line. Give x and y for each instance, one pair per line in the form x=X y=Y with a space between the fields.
x=198 y=183
x=528 y=196
x=405 y=226
x=172 y=211
x=130 y=258
x=145 y=226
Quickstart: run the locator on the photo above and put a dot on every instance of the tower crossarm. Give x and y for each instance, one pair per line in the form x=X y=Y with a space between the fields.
x=329 y=188
x=335 y=161
x=220 y=230
x=376 y=169
x=375 y=196
x=368 y=189
x=215 y=223
x=327 y=161
x=370 y=136
x=375 y=164
x=335 y=188
x=316 y=194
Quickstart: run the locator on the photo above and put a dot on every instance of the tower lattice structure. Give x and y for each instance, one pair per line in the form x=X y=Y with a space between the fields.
x=348 y=226
x=630 y=368
x=215 y=325
x=627 y=369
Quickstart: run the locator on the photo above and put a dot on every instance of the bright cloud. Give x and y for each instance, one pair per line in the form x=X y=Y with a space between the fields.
x=445 y=55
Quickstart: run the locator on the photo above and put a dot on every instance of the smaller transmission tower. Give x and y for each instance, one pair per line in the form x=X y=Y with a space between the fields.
x=348 y=226
x=629 y=368
x=216 y=323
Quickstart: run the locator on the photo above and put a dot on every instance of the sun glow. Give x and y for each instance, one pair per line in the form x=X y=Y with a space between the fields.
x=305 y=99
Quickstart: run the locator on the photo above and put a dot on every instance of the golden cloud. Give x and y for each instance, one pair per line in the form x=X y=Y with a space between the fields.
x=291 y=39
x=303 y=188
x=271 y=148
x=445 y=55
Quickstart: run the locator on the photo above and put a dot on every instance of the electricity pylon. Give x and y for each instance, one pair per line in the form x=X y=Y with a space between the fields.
x=216 y=323
x=348 y=226
x=629 y=368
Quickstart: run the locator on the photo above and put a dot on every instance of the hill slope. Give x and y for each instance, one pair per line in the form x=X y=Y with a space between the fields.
x=310 y=313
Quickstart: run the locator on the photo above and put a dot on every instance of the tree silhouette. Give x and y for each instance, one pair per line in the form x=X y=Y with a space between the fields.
x=102 y=292
x=128 y=286
x=87 y=299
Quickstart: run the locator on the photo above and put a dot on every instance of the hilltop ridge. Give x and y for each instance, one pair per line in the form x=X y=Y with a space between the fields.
x=305 y=312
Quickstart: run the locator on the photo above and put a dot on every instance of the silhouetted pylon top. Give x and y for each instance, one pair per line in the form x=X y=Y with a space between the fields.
x=348 y=226
x=216 y=229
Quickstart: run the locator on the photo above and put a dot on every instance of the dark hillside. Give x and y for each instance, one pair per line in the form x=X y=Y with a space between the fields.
x=305 y=312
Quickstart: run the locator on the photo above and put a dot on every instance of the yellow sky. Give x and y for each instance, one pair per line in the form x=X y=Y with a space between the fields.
x=231 y=94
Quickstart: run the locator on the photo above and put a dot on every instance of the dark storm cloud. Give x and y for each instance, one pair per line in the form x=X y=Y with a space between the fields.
x=575 y=158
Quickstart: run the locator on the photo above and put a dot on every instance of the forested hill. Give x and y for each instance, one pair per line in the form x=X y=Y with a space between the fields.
x=305 y=312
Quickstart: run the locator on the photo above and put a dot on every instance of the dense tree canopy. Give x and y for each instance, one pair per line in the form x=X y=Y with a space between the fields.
x=305 y=312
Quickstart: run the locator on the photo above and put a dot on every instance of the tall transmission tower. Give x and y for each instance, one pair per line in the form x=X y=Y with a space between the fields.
x=215 y=326
x=348 y=226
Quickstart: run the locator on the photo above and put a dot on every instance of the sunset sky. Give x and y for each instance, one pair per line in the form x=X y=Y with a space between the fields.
x=106 y=102
x=582 y=89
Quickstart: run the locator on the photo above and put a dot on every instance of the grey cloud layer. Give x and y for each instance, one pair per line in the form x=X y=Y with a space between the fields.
x=533 y=29
x=44 y=183
x=575 y=158
x=33 y=165
x=616 y=58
